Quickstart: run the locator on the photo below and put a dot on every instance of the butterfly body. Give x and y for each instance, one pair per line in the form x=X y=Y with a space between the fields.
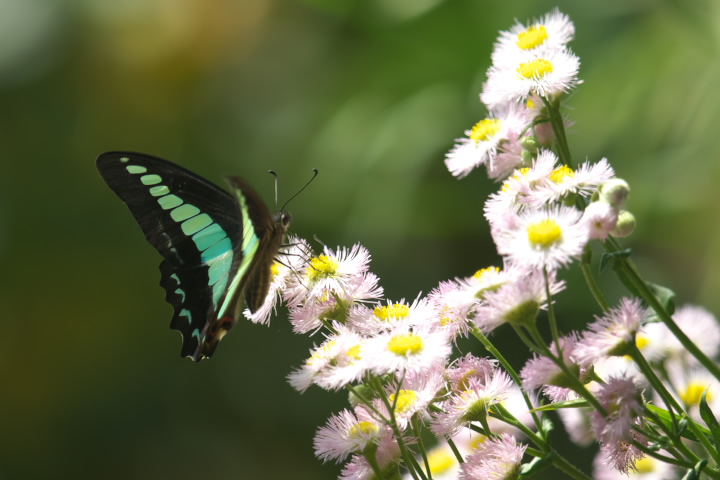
x=217 y=247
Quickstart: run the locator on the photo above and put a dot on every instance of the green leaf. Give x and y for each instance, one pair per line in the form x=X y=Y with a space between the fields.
x=665 y=296
x=578 y=403
x=536 y=464
x=666 y=419
x=694 y=473
x=609 y=259
x=709 y=418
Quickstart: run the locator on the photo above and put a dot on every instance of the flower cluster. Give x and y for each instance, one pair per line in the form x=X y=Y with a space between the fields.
x=637 y=380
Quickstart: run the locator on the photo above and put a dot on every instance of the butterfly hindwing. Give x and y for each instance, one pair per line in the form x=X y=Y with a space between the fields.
x=208 y=239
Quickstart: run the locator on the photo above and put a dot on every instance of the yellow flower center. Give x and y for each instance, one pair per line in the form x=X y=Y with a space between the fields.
x=322 y=266
x=387 y=312
x=485 y=129
x=641 y=341
x=693 y=394
x=477 y=441
x=645 y=465
x=440 y=461
x=532 y=37
x=485 y=271
x=354 y=352
x=275 y=269
x=405 y=400
x=402 y=345
x=535 y=69
x=561 y=173
x=544 y=233
x=362 y=429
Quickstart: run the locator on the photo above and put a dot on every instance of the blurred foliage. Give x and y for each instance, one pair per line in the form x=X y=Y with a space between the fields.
x=370 y=92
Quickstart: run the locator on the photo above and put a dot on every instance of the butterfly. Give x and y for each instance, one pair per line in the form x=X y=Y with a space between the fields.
x=217 y=247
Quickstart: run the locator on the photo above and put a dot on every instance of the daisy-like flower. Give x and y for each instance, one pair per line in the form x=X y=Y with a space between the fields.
x=689 y=386
x=370 y=321
x=454 y=301
x=472 y=404
x=406 y=349
x=331 y=273
x=600 y=219
x=467 y=367
x=500 y=132
x=552 y=32
x=453 y=306
x=563 y=182
x=312 y=312
x=622 y=456
x=548 y=238
x=291 y=259
x=516 y=77
x=645 y=468
x=543 y=372
x=386 y=455
x=516 y=302
x=622 y=400
x=494 y=459
x=417 y=391
x=347 y=433
x=443 y=463
x=611 y=335
x=518 y=189
x=657 y=342
x=334 y=364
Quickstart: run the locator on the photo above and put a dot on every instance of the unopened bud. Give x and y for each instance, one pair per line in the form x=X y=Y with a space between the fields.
x=625 y=224
x=614 y=192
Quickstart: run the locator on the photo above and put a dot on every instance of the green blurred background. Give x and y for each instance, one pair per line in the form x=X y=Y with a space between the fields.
x=370 y=92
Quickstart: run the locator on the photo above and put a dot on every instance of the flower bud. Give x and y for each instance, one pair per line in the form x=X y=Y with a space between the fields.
x=625 y=224
x=530 y=144
x=614 y=192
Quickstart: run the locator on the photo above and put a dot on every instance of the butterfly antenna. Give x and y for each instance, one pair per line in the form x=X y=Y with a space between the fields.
x=274 y=174
x=315 y=170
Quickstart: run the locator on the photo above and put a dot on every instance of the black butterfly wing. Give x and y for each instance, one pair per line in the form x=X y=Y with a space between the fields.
x=197 y=228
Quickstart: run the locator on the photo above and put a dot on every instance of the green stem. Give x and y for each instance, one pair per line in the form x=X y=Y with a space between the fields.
x=455 y=451
x=423 y=453
x=591 y=283
x=558 y=126
x=409 y=459
x=510 y=370
x=575 y=384
x=628 y=271
x=551 y=313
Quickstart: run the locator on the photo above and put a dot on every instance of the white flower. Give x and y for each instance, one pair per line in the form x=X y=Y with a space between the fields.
x=498 y=133
x=407 y=349
x=549 y=238
x=385 y=317
x=347 y=433
x=517 y=301
x=471 y=404
x=552 y=32
x=546 y=74
x=334 y=364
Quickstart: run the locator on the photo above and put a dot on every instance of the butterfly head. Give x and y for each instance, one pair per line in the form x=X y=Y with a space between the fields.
x=282 y=220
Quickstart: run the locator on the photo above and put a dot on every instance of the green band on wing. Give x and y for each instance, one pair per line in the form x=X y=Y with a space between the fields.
x=184 y=212
x=150 y=179
x=134 y=169
x=220 y=248
x=159 y=191
x=196 y=224
x=168 y=202
x=209 y=236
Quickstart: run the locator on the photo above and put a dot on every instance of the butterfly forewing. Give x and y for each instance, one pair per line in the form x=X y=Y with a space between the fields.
x=210 y=240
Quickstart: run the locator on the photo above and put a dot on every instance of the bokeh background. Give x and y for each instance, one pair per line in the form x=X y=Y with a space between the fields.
x=370 y=92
